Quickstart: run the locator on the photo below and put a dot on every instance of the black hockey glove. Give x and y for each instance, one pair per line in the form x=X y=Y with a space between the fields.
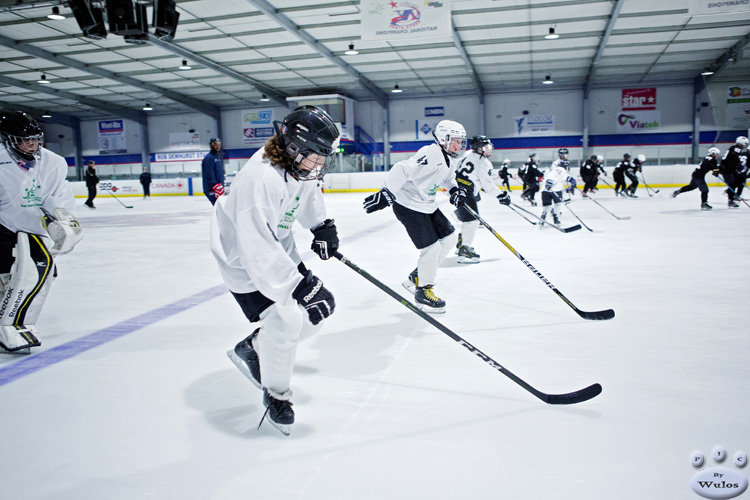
x=504 y=198
x=378 y=201
x=715 y=172
x=458 y=196
x=325 y=239
x=314 y=297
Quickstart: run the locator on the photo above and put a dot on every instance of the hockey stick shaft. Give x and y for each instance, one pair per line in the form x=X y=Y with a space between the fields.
x=579 y=219
x=554 y=399
x=605 y=208
x=731 y=190
x=595 y=315
x=522 y=215
x=646 y=184
x=543 y=222
x=118 y=199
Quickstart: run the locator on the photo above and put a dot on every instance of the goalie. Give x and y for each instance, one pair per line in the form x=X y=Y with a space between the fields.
x=35 y=203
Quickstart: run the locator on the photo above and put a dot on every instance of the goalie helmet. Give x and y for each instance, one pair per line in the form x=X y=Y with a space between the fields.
x=481 y=145
x=451 y=136
x=742 y=141
x=641 y=158
x=21 y=135
x=714 y=151
x=305 y=131
x=562 y=153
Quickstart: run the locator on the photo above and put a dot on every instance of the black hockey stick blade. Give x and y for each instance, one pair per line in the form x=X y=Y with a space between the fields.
x=553 y=399
x=541 y=221
x=571 y=228
x=595 y=315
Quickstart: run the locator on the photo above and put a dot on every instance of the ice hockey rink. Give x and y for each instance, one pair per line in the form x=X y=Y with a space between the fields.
x=131 y=394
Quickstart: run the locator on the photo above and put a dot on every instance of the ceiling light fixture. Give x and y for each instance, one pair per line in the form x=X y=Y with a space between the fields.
x=707 y=71
x=56 y=14
x=185 y=65
x=46 y=114
x=43 y=79
x=264 y=98
x=396 y=90
x=147 y=107
x=351 y=51
x=548 y=80
x=551 y=35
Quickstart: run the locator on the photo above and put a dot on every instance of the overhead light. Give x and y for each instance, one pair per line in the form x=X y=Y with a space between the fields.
x=264 y=98
x=147 y=107
x=185 y=65
x=56 y=14
x=396 y=90
x=551 y=35
x=43 y=79
x=351 y=51
x=707 y=71
x=46 y=114
x=548 y=80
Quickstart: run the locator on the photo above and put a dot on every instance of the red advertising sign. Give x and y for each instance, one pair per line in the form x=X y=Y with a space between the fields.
x=638 y=99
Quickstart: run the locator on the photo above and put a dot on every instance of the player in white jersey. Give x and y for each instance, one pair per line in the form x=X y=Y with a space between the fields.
x=35 y=204
x=411 y=187
x=553 y=185
x=474 y=173
x=252 y=241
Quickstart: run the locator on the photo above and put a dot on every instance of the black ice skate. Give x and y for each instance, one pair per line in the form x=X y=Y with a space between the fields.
x=706 y=206
x=675 y=193
x=279 y=412
x=427 y=301
x=555 y=219
x=533 y=203
x=245 y=358
x=412 y=282
x=733 y=204
x=467 y=255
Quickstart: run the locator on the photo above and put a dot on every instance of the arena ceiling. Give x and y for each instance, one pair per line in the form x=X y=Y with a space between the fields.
x=241 y=50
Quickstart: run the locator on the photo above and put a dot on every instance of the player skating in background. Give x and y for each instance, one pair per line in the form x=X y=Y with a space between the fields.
x=522 y=175
x=731 y=164
x=589 y=173
x=252 y=241
x=35 y=202
x=619 y=175
x=473 y=173
x=553 y=185
x=531 y=179
x=698 y=178
x=411 y=187
x=503 y=172
x=631 y=171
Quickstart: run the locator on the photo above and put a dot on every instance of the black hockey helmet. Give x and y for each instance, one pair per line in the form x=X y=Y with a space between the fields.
x=308 y=130
x=478 y=144
x=593 y=158
x=626 y=156
x=562 y=152
x=21 y=135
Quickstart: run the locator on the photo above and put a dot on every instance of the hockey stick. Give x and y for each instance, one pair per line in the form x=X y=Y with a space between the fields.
x=522 y=215
x=553 y=399
x=656 y=191
x=542 y=221
x=118 y=199
x=593 y=315
x=610 y=213
x=734 y=193
x=567 y=204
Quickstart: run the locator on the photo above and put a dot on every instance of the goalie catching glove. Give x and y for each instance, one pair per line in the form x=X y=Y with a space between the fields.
x=64 y=230
x=314 y=297
x=325 y=239
x=378 y=201
x=504 y=198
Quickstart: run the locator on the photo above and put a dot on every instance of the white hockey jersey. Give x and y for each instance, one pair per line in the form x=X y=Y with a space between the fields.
x=476 y=169
x=251 y=229
x=25 y=187
x=414 y=182
x=558 y=177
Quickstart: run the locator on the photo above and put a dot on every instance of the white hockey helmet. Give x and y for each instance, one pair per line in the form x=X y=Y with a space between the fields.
x=599 y=158
x=742 y=141
x=641 y=158
x=506 y=162
x=451 y=136
x=714 y=151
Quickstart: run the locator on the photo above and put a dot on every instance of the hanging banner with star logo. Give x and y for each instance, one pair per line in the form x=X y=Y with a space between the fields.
x=405 y=20
x=638 y=99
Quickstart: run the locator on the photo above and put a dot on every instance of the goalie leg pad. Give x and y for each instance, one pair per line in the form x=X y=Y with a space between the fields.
x=18 y=339
x=30 y=278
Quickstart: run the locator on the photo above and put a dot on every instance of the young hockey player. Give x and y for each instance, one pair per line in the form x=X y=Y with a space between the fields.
x=522 y=174
x=554 y=184
x=630 y=172
x=730 y=165
x=473 y=173
x=698 y=177
x=503 y=172
x=35 y=202
x=619 y=175
x=589 y=173
x=252 y=241
x=411 y=187
x=531 y=179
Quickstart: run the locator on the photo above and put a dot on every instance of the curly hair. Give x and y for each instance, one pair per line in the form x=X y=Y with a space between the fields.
x=275 y=153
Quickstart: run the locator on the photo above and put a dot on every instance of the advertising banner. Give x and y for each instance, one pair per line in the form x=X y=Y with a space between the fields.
x=425 y=127
x=184 y=140
x=257 y=126
x=133 y=187
x=631 y=122
x=638 y=99
x=112 y=138
x=738 y=106
x=527 y=125
x=708 y=7
x=405 y=20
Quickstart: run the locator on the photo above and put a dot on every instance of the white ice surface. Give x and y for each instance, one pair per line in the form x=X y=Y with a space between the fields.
x=387 y=406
